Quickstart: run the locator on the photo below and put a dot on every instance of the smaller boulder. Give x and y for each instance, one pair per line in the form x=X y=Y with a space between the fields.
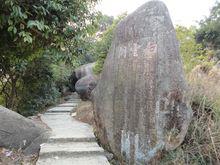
x=84 y=70
x=18 y=132
x=79 y=73
x=85 y=85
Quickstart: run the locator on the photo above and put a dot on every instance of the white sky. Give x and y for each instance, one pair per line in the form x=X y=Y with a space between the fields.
x=183 y=12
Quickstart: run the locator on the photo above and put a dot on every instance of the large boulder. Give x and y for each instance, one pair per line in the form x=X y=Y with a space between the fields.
x=85 y=85
x=140 y=102
x=18 y=132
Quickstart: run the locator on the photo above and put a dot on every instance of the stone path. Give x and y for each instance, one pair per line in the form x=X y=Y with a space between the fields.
x=72 y=142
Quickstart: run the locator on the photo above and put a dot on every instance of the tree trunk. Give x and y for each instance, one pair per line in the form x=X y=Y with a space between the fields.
x=11 y=100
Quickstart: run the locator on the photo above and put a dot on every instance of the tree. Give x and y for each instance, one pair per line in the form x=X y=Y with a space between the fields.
x=191 y=52
x=103 y=43
x=28 y=28
x=88 y=44
x=209 y=32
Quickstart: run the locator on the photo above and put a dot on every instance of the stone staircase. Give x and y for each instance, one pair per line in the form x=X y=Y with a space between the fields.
x=72 y=142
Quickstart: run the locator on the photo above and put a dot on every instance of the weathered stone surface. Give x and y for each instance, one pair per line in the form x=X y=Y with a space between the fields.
x=84 y=70
x=140 y=101
x=81 y=72
x=19 y=132
x=85 y=86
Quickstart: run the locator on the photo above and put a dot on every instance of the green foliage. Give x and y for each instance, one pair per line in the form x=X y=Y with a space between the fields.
x=102 y=46
x=86 y=51
x=209 y=32
x=191 y=52
x=46 y=19
x=103 y=22
x=28 y=29
x=61 y=74
x=39 y=89
x=198 y=47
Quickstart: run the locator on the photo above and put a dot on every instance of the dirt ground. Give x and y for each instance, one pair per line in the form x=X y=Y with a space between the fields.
x=15 y=157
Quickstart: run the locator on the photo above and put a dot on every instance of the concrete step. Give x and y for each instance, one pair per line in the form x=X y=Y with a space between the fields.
x=60 y=109
x=82 y=160
x=72 y=142
x=73 y=101
x=57 y=113
x=65 y=126
x=70 y=149
x=68 y=104
x=66 y=140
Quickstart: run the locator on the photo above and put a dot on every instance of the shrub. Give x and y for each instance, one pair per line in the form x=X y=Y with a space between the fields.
x=102 y=46
x=39 y=89
x=61 y=74
x=191 y=52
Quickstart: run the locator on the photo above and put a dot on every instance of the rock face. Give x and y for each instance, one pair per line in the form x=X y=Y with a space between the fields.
x=83 y=80
x=84 y=70
x=85 y=86
x=140 y=101
x=19 y=132
x=79 y=73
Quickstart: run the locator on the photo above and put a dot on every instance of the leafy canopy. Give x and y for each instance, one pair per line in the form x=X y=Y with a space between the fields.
x=29 y=29
x=191 y=52
x=103 y=44
x=209 y=32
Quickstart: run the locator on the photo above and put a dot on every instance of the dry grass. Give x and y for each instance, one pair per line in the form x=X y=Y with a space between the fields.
x=16 y=157
x=202 y=142
x=205 y=88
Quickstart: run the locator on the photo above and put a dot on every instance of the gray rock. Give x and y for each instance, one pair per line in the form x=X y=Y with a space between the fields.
x=140 y=101
x=81 y=72
x=84 y=70
x=18 y=132
x=85 y=85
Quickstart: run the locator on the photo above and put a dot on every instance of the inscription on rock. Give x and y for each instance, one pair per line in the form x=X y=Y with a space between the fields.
x=140 y=100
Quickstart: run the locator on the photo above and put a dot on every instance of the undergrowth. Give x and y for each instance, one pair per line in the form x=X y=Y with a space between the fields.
x=202 y=142
x=201 y=145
